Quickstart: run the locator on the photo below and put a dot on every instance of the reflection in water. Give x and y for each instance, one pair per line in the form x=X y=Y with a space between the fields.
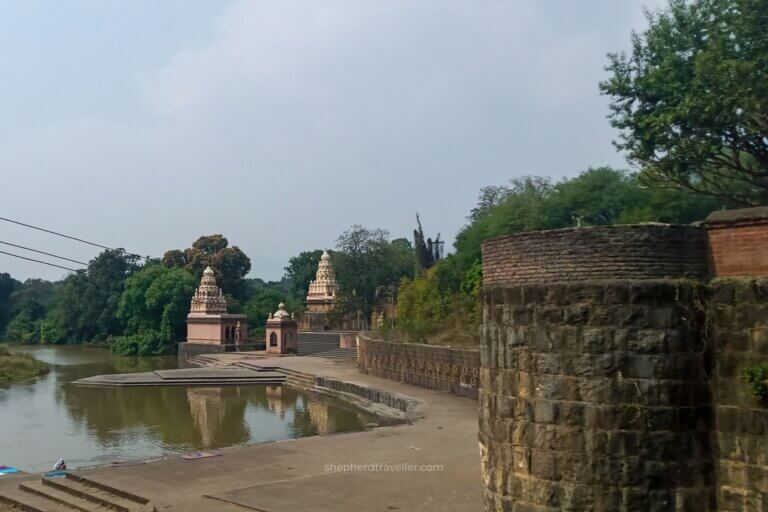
x=48 y=418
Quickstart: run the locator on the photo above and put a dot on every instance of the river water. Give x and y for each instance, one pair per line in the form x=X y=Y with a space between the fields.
x=48 y=418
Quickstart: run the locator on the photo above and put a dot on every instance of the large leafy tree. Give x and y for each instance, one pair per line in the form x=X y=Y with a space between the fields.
x=156 y=298
x=369 y=268
x=691 y=98
x=300 y=271
x=229 y=263
x=85 y=303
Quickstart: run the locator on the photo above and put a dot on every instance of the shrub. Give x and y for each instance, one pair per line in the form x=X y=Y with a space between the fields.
x=757 y=376
x=148 y=343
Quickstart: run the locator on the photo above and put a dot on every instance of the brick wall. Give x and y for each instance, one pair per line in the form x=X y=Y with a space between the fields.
x=739 y=319
x=428 y=366
x=738 y=240
x=645 y=251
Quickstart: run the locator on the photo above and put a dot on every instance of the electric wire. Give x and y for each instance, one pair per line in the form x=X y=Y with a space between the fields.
x=50 y=231
x=40 y=261
x=43 y=252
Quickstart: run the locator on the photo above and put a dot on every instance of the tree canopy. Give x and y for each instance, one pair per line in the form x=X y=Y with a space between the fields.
x=691 y=98
x=156 y=300
x=300 y=271
x=230 y=264
x=369 y=268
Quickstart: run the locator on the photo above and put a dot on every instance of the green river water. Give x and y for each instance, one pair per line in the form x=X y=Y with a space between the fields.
x=48 y=418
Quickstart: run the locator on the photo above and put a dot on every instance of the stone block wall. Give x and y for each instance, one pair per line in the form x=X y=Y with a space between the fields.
x=738 y=312
x=644 y=251
x=594 y=397
x=443 y=368
x=617 y=387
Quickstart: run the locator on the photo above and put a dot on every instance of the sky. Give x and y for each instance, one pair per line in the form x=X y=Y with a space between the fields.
x=279 y=124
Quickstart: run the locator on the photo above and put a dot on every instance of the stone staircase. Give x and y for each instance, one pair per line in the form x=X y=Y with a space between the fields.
x=311 y=343
x=292 y=377
x=71 y=493
x=340 y=355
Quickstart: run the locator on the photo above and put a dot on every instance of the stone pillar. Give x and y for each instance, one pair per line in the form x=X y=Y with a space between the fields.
x=593 y=385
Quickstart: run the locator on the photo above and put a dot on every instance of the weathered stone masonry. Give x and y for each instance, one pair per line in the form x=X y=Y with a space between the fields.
x=444 y=368
x=609 y=375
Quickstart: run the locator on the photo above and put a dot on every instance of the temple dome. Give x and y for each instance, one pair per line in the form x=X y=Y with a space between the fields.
x=208 y=297
x=324 y=284
x=281 y=312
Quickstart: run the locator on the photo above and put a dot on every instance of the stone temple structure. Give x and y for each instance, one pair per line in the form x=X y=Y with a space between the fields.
x=320 y=297
x=208 y=322
x=282 y=332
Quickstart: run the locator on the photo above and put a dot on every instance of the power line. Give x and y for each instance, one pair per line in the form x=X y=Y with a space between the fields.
x=66 y=236
x=43 y=252
x=39 y=261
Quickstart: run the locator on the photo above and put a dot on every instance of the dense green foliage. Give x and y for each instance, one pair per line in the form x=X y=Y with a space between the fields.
x=153 y=307
x=17 y=367
x=138 y=310
x=368 y=269
x=264 y=301
x=757 y=377
x=445 y=298
x=300 y=271
x=229 y=263
x=691 y=100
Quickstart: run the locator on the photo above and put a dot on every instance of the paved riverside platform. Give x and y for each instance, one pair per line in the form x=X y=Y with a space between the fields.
x=187 y=377
x=430 y=465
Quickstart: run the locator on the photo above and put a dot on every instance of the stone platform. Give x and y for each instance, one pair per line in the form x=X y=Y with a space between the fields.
x=187 y=377
x=429 y=464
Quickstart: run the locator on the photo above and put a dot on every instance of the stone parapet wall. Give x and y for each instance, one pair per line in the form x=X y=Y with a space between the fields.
x=594 y=397
x=644 y=251
x=427 y=366
x=738 y=312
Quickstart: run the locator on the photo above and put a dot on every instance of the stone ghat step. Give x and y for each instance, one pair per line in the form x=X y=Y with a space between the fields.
x=74 y=492
x=59 y=498
x=99 y=494
x=21 y=500
x=196 y=383
x=205 y=373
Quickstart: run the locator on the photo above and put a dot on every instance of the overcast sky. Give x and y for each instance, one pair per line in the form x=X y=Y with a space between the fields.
x=144 y=124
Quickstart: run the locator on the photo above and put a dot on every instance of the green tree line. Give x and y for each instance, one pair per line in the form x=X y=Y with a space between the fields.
x=440 y=305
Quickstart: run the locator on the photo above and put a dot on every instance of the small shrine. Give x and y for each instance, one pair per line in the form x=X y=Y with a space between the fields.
x=320 y=297
x=208 y=322
x=282 y=332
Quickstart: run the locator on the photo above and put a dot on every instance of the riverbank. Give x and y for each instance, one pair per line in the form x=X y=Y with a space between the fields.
x=19 y=367
x=431 y=464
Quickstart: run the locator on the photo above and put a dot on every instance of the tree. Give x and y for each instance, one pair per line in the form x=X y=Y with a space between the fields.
x=157 y=298
x=300 y=271
x=85 y=303
x=426 y=252
x=229 y=263
x=7 y=286
x=369 y=268
x=691 y=101
x=264 y=301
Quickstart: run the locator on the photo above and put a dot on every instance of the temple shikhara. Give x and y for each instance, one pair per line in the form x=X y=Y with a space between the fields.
x=208 y=322
x=320 y=297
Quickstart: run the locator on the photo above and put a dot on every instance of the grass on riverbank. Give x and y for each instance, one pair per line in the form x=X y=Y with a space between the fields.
x=16 y=367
